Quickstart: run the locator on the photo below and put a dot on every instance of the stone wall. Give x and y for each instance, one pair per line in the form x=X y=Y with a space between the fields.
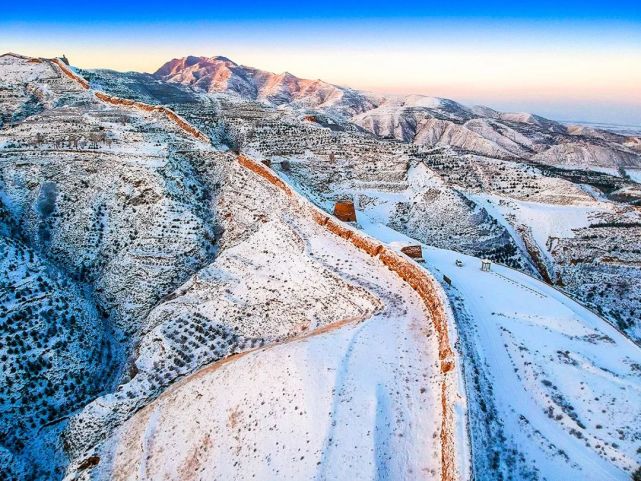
x=172 y=116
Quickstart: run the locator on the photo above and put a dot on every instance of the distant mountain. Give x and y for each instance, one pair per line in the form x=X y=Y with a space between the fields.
x=418 y=119
x=222 y=75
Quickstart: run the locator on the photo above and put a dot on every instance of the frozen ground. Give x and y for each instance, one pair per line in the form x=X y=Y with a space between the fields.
x=553 y=389
x=339 y=405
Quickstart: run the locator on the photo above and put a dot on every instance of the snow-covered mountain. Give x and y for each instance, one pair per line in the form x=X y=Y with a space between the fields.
x=483 y=131
x=219 y=74
x=170 y=309
x=420 y=119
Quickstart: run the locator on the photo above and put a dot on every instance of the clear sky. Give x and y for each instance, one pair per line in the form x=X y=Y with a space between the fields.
x=568 y=60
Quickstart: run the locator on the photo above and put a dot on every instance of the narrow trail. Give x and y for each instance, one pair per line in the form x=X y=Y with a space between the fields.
x=507 y=279
x=328 y=446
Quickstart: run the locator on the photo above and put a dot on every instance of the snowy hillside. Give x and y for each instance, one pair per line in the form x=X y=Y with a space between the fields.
x=500 y=135
x=98 y=229
x=559 y=388
x=332 y=403
x=330 y=158
x=177 y=300
x=553 y=390
x=181 y=258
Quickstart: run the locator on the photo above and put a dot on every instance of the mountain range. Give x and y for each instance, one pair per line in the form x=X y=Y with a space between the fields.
x=216 y=272
x=418 y=119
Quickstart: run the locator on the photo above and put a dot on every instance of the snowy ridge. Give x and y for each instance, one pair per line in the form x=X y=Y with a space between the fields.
x=421 y=282
x=501 y=136
x=376 y=426
x=172 y=116
x=419 y=119
x=541 y=365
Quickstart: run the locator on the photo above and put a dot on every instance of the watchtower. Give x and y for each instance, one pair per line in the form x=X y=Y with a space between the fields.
x=413 y=251
x=345 y=211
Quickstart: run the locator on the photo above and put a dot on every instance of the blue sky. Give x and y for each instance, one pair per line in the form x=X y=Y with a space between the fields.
x=66 y=11
x=566 y=60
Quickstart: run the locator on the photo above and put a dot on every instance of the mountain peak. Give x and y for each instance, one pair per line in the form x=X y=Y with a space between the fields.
x=192 y=62
x=219 y=74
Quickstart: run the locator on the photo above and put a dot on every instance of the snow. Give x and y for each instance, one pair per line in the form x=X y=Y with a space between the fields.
x=634 y=174
x=565 y=383
x=357 y=399
x=514 y=314
x=349 y=386
x=327 y=407
x=546 y=220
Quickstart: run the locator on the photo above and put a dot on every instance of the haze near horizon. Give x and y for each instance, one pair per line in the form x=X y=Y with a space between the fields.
x=579 y=61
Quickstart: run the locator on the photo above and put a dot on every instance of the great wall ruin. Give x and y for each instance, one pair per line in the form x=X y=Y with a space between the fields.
x=422 y=282
x=409 y=271
x=110 y=99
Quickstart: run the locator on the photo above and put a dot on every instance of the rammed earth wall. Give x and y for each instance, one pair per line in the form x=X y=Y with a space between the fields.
x=422 y=282
x=172 y=116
